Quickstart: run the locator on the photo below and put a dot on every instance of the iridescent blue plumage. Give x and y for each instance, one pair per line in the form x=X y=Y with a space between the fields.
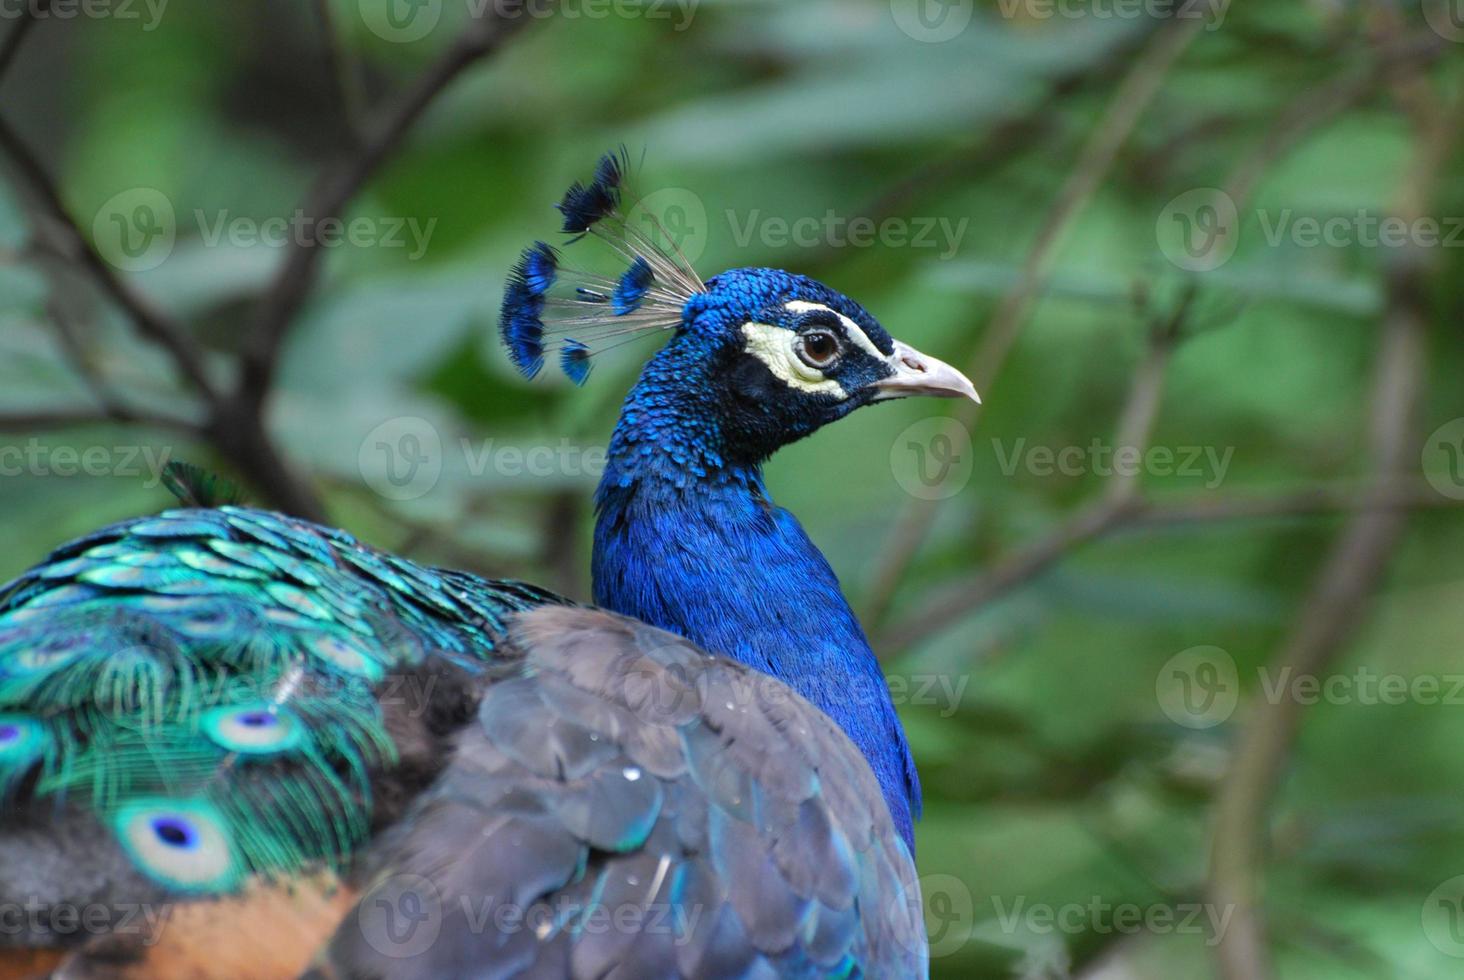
x=632 y=287
x=219 y=695
x=586 y=204
x=574 y=360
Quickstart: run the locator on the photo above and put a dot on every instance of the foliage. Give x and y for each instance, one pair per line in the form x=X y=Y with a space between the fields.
x=1054 y=778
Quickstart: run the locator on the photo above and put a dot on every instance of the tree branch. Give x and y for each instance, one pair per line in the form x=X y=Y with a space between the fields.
x=1106 y=517
x=151 y=322
x=1132 y=97
x=10 y=47
x=341 y=68
x=70 y=418
x=335 y=189
x=1350 y=574
x=1134 y=429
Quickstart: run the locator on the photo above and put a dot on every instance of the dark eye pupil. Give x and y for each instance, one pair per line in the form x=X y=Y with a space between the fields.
x=820 y=346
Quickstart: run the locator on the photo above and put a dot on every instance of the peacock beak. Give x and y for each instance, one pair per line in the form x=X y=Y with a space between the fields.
x=921 y=374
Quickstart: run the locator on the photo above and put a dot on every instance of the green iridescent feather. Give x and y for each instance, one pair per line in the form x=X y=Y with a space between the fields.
x=207 y=682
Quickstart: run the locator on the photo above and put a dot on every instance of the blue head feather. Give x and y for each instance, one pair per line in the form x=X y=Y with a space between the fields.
x=735 y=573
x=574 y=360
x=757 y=358
x=522 y=315
x=585 y=205
x=633 y=286
x=594 y=308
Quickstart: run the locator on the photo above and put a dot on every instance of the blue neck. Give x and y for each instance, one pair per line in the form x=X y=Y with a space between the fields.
x=688 y=540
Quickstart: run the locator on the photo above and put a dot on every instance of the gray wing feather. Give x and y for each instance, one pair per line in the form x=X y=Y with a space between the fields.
x=630 y=807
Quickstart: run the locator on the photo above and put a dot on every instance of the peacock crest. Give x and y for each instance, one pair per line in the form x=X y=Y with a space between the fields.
x=550 y=306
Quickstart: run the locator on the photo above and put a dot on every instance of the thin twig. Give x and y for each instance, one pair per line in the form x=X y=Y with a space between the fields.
x=1107 y=517
x=70 y=418
x=109 y=401
x=1120 y=500
x=151 y=322
x=1351 y=573
x=10 y=47
x=1316 y=106
x=1000 y=142
x=342 y=69
x=335 y=189
x=1132 y=97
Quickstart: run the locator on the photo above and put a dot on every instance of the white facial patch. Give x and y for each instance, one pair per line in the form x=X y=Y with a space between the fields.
x=774 y=347
x=856 y=333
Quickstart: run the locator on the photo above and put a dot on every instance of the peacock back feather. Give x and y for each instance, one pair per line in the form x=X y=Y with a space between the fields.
x=210 y=685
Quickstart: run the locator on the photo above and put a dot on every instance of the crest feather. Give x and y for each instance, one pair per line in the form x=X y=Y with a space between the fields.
x=548 y=305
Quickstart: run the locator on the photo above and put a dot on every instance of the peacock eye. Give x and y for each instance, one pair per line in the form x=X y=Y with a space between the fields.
x=818 y=348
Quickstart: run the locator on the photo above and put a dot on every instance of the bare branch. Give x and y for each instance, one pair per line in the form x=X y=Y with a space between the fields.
x=1317 y=106
x=1350 y=574
x=341 y=67
x=47 y=420
x=150 y=322
x=1109 y=516
x=999 y=142
x=10 y=47
x=1129 y=101
x=335 y=189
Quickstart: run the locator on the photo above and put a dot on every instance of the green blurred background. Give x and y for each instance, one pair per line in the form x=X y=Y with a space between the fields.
x=1048 y=188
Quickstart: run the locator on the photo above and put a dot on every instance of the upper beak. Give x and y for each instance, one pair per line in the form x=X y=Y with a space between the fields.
x=921 y=374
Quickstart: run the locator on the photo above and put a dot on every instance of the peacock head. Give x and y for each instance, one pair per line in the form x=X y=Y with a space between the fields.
x=762 y=357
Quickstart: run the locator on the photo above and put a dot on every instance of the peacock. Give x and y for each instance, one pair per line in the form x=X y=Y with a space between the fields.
x=285 y=752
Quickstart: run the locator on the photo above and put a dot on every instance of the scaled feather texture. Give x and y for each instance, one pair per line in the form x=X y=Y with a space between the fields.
x=703 y=778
